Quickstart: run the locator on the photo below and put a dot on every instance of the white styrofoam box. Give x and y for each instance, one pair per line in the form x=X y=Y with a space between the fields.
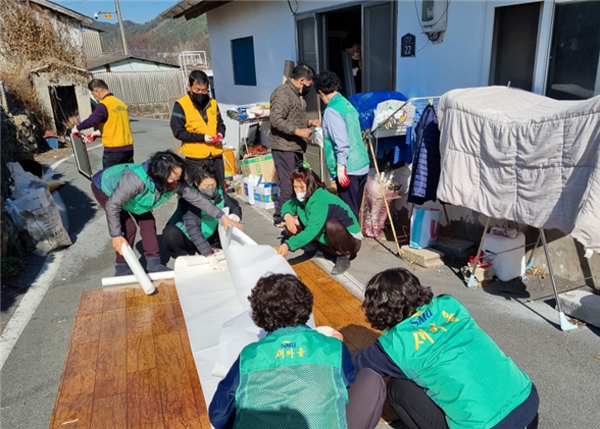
x=507 y=255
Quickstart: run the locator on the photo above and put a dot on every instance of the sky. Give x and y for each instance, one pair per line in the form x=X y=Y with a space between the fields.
x=139 y=11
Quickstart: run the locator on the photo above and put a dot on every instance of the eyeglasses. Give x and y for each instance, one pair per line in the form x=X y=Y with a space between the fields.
x=202 y=91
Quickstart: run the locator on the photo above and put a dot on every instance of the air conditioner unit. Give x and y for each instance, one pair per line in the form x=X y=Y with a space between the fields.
x=434 y=15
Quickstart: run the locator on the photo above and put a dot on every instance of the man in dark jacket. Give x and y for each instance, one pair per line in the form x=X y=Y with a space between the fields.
x=289 y=131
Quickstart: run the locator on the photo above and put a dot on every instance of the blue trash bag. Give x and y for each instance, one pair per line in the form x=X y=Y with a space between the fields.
x=366 y=104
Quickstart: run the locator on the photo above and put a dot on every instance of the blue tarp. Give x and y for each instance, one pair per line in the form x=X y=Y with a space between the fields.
x=366 y=104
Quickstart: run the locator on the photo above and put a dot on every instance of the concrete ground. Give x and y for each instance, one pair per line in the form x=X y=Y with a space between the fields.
x=563 y=365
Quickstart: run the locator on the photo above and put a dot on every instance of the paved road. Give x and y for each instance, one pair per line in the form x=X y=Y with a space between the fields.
x=564 y=366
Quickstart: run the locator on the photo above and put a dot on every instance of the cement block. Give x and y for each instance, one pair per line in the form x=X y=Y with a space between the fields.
x=455 y=247
x=426 y=258
x=582 y=305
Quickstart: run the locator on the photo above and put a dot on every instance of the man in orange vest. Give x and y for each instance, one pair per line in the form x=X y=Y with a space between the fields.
x=111 y=120
x=197 y=122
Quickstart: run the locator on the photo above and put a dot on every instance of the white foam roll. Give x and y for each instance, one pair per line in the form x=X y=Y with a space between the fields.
x=137 y=269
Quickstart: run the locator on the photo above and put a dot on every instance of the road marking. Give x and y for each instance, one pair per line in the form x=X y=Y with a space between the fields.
x=60 y=161
x=34 y=296
x=28 y=305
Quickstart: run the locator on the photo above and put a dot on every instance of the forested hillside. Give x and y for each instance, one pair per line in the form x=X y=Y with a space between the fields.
x=157 y=39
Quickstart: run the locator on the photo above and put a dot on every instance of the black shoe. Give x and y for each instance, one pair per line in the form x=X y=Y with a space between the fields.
x=342 y=263
x=122 y=269
x=153 y=265
x=279 y=224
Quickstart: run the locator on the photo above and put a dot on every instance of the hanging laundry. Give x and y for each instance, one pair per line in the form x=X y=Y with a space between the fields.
x=426 y=159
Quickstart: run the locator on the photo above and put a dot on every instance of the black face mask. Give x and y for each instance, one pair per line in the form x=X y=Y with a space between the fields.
x=305 y=89
x=200 y=99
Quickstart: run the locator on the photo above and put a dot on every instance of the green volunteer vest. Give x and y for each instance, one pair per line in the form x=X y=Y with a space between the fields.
x=358 y=156
x=463 y=371
x=141 y=203
x=208 y=224
x=292 y=378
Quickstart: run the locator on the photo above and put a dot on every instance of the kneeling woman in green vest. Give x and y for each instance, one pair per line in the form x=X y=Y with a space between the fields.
x=191 y=230
x=316 y=216
x=129 y=192
x=345 y=152
x=446 y=371
x=295 y=377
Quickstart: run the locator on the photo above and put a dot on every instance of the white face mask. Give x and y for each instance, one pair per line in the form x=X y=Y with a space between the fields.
x=356 y=56
x=300 y=196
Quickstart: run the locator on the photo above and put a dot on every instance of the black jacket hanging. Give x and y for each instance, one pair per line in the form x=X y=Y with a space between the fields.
x=426 y=160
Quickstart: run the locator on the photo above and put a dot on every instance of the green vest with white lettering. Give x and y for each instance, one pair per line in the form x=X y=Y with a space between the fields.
x=463 y=371
x=208 y=224
x=357 y=156
x=291 y=378
x=141 y=203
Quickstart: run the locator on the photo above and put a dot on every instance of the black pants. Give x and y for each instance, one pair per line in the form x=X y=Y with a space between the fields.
x=285 y=163
x=353 y=193
x=178 y=243
x=114 y=158
x=418 y=411
x=215 y=163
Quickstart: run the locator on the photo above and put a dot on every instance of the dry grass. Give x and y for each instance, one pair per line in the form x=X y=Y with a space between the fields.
x=31 y=38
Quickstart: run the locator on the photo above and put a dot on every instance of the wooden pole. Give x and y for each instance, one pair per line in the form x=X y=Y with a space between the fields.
x=387 y=207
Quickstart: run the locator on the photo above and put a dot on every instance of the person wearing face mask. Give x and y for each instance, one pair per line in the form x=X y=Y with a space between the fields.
x=345 y=152
x=290 y=128
x=191 y=230
x=129 y=192
x=111 y=121
x=352 y=46
x=319 y=221
x=196 y=121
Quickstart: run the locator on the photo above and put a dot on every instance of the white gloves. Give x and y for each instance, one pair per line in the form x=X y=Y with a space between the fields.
x=342 y=176
x=75 y=131
x=234 y=217
x=208 y=139
x=93 y=136
x=215 y=265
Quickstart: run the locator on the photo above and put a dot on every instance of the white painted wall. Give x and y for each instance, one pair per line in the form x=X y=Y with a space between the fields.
x=134 y=65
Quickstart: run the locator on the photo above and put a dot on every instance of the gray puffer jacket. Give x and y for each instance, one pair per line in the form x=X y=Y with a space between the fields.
x=288 y=112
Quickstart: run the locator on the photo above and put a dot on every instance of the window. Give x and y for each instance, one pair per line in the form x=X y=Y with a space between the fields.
x=515 y=41
x=574 y=72
x=244 y=70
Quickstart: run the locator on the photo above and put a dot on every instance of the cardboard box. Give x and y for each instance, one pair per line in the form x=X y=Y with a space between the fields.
x=265 y=195
x=259 y=166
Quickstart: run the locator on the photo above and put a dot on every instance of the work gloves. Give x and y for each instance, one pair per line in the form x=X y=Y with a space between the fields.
x=342 y=176
x=75 y=132
x=213 y=139
x=215 y=265
x=93 y=136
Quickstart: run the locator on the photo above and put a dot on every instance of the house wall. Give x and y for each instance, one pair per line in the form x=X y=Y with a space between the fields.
x=461 y=60
x=91 y=42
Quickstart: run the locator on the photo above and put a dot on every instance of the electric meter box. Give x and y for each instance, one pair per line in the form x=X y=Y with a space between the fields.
x=434 y=15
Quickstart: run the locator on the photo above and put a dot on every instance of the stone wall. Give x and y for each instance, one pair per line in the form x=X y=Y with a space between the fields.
x=154 y=110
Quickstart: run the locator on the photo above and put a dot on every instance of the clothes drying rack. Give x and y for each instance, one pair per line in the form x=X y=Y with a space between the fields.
x=371 y=135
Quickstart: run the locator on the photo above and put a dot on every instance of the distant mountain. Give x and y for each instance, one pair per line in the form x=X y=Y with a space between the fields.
x=157 y=39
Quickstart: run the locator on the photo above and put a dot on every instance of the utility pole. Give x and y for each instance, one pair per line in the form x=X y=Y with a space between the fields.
x=125 y=50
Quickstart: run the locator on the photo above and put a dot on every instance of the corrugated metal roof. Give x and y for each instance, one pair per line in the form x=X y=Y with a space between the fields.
x=64 y=11
x=103 y=60
x=192 y=8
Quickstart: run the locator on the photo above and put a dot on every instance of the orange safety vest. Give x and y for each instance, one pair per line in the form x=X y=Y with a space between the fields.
x=195 y=124
x=116 y=131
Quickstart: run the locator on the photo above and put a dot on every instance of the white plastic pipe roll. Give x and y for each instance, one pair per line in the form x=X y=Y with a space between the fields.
x=125 y=280
x=137 y=269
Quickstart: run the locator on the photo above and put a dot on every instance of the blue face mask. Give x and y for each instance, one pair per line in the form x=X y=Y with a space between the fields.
x=300 y=196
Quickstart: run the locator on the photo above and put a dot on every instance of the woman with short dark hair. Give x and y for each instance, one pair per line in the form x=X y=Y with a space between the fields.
x=317 y=216
x=446 y=371
x=295 y=377
x=191 y=230
x=129 y=192
x=345 y=152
